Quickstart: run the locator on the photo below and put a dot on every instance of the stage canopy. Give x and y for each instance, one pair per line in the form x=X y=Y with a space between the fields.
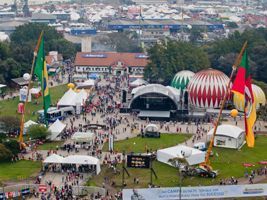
x=196 y=156
x=56 y=128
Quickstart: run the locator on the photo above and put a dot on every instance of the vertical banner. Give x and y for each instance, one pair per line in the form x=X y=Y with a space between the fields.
x=110 y=142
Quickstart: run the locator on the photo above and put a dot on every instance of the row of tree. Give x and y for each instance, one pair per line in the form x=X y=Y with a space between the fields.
x=9 y=126
x=167 y=58
x=16 y=56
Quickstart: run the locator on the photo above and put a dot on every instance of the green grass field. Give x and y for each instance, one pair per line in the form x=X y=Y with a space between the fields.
x=228 y=162
x=9 y=107
x=50 y=145
x=20 y=170
x=139 y=144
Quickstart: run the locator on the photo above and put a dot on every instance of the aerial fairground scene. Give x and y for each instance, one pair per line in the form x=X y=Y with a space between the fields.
x=133 y=99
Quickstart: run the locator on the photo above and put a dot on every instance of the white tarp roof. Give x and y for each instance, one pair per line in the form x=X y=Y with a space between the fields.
x=35 y=90
x=54 y=158
x=134 y=90
x=71 y=98
x=196 y=157
x=68 y=99
x=227 y=130
x=29 y=123
x=2 y=85
x=56 y=128
x=138 y=82
x=89 y=82
x=152 y=128
x=83 y=136
x=83 y=160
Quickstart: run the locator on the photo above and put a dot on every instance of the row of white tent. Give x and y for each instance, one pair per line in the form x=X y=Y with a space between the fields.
x=74 y=159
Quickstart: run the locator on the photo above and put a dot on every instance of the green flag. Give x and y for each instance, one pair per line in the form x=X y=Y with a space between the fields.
x=39 y=62
x=40 y=70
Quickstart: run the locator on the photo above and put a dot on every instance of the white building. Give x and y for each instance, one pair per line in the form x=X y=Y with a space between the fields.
x=228 y=136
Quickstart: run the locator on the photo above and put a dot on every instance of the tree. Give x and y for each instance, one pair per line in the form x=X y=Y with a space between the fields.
x=13 y=146
x=168 y=58
x=5 y=154
x=38 y=132
x=10 y=123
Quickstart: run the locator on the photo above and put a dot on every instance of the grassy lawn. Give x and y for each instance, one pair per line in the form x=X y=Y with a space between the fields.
x=228 y=163
x=139 y=144
x=19 y=170
x=50 y=145
x=9 y=107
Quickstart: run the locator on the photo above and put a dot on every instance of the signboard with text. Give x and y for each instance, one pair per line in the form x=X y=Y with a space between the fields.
x=138 y=161
x=207 y=192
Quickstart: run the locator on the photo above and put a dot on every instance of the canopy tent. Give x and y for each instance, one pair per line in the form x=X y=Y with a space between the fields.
x=2 y=85
x=56 y=128
x=196 y=156
x=35 y=90
x=54 y=158
x=138 y=82
x=71 y=98
x=152 y=128
x=83 y=137
x=29 y=123
x=83 y=160
x=86 y=84
x=228 y=136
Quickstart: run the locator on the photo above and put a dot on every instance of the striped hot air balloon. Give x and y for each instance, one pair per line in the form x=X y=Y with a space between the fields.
x=259 y=98
x=181 y=79
x=207 y=88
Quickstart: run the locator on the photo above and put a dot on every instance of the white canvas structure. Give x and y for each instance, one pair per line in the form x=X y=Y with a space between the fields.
x=86 y=84
x=29 y=123
x=35 y=90
x=152 y=128
x=83 y=137
x=228 y=136
x=56 y=128
x=83 y=160
x=196 y=156
x=138 y=82
x=71 y=98
x=54 y=158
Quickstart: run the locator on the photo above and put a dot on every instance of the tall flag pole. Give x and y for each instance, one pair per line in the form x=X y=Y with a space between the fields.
x=237 y=61
x=28 y=90
x=242 y=87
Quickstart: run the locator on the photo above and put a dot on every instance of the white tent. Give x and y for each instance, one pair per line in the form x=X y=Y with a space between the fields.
x=86 y=84
x=2 y=85
x=83 y=160
x=81 y=97
x=138 y=82
x=56 y=128
x=228 y=136
x=29 y=123
x=35 y=90
x=54 y=158
x=151 y=128
x=68 y=99
x=71 y=98
x=196 y=157
x=83 y=137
